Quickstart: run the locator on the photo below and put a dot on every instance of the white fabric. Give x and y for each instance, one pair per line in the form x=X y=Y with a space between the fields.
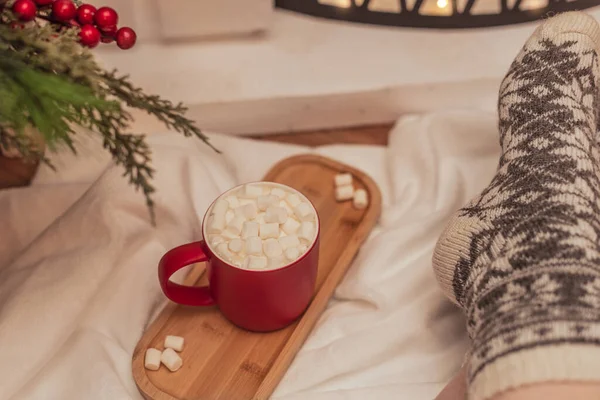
x=78 y=257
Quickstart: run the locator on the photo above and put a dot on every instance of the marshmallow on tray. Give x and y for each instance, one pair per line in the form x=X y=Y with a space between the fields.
x=343 y=179
x=171 y=360
x=343 y=193
x=261 y=226
x=174 y=342
x=360 y=199
x=152 y=359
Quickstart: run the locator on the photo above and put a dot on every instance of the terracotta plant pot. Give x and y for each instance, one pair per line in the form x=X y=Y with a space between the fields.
x=16 y=171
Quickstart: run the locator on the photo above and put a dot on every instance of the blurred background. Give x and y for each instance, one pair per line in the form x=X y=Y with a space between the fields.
x=258 y=66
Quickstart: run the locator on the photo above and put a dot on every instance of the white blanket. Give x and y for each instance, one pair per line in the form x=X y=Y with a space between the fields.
x=78 y=257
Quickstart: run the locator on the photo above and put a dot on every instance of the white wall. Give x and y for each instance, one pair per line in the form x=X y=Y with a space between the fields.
x=311 y=73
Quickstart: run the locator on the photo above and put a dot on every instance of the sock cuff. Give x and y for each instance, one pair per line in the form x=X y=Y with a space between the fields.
x=571 y=22
x=561 y=362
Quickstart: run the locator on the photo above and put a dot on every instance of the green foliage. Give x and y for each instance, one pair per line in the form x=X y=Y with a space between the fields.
x=48 y=81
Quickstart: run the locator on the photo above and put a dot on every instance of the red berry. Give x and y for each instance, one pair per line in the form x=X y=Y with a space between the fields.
x=85 y=14
x=63 y=10
x=89 y=36
x=110 y=30
x=106 y=16
x=107 y=39
x=25 y=9
x=126 y=38
x=44 y=2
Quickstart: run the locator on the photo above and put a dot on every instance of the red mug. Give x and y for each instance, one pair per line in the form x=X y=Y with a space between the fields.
x=256 y=300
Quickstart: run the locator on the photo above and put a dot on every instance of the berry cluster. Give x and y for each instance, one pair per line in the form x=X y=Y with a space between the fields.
x=96 y=25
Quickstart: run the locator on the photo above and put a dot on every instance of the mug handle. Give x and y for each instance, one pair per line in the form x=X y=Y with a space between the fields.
x=173 y=261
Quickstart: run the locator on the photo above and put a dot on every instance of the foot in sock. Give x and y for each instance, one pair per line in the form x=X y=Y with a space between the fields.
x=523 y=258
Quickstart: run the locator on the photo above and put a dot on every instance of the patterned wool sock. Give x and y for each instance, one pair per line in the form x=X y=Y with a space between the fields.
x=523 y=258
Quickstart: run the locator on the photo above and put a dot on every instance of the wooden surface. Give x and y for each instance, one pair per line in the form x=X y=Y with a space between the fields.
x=221 y=361
x=15 y=173
x=374 y=135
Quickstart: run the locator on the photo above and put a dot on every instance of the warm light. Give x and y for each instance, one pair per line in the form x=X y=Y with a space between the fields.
x=442 y=3
x=337 y=3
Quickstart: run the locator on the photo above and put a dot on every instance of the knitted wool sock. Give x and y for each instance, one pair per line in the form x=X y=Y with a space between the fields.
x=523 y=258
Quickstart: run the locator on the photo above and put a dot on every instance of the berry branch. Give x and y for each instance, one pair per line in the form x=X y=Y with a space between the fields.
x=96 y=25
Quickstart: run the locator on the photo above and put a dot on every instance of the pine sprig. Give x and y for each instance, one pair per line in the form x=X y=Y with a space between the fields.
x=173 y=116
x=50 y=82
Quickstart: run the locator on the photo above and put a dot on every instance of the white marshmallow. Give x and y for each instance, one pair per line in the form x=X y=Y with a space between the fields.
x=229 y=216
x=152 y=359
x=360 y=199
x=243 y=201
x=255 y=262
x=290 y=226
x=251 y=191
x=247 y=211
x=174 y=342
x=237 y=260
x=260 y=218
x=343 y=193
x=266 y=231
x=215 y=240
x=227 y=234
x=306 y=231
x=278 y=192
x=293 y=199
x=171 y=360
x=289 y=241
x=254 y=245
x=302 y=248
x=272 y=248
x=235 y=225
x=276 y=214
x=223 y=250
x=220 y=207
x=249 y=229
x=287 y=207
x=304 y=212
x=263 y=202
x=216 y=223
x=292 y=253
x=233 y=201
x=236 y=245
x=343 y=179
x=276 y=262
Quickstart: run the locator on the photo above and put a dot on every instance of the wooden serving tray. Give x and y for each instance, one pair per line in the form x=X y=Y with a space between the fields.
x=222 y=361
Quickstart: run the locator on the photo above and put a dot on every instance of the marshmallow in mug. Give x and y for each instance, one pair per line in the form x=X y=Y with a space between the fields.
x=262 y=226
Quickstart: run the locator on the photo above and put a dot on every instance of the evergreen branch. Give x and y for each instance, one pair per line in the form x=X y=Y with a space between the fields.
x=48 y=81
x=164 y=110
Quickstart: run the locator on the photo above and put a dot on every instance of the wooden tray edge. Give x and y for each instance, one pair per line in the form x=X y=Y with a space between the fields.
x=314 y=311
x=321 y=298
